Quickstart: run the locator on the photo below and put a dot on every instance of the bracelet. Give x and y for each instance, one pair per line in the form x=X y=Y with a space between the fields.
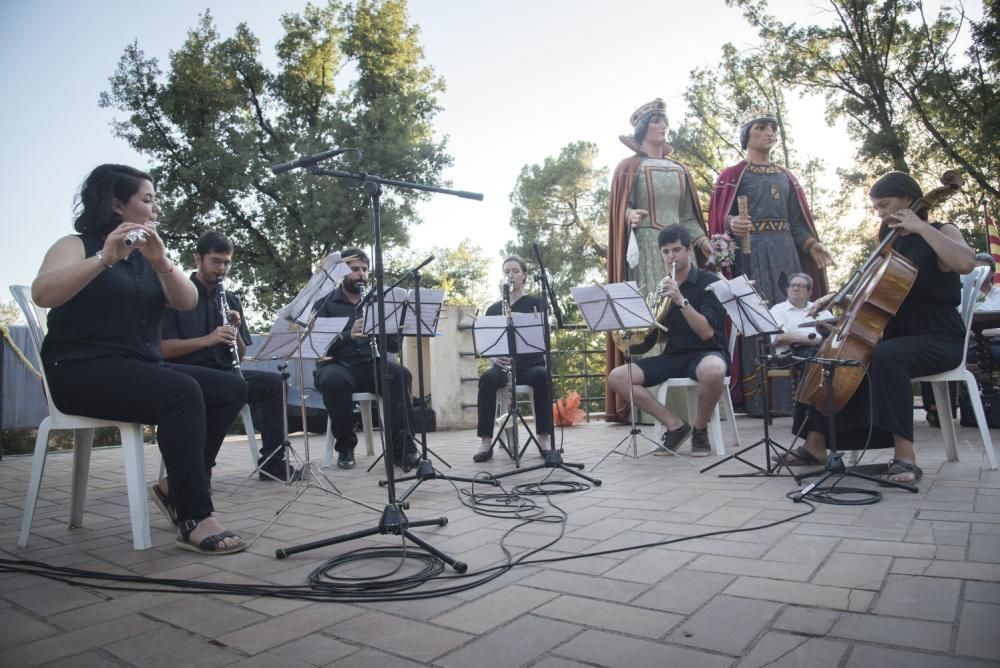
x=167 y=272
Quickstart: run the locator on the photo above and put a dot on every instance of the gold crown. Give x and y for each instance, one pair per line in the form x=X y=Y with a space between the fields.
x=757 y=115
x=656 y=106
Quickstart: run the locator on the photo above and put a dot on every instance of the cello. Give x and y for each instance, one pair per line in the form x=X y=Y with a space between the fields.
x=878 y=290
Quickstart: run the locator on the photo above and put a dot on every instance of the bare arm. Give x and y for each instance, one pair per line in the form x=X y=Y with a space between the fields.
x=952 y=251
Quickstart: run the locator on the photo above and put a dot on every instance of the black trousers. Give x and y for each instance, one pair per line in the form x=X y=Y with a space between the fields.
x=336 y=381
x=264 y=390
x=191 y=406
x=495 y=379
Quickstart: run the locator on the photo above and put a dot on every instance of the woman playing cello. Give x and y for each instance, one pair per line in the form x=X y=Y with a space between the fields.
x=925 y=336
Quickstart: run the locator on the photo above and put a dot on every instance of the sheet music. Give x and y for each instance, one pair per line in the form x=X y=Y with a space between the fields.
x=322 y=282
x=395 y=300
x=430 y=312
x=744 y=305
x=612 y=306
x=489 y=334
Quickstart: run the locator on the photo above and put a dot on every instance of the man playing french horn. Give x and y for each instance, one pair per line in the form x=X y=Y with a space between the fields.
x=695 y=346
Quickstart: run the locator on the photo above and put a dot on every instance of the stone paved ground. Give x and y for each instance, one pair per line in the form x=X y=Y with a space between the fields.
x=911 y=581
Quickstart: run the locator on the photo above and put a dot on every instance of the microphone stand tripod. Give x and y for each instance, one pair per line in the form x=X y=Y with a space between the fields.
x=553 y=458
x=425 y=469
x=834 y=459
x=393 y=520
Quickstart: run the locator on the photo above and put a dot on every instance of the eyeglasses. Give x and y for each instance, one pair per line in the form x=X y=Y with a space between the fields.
x=800 y=286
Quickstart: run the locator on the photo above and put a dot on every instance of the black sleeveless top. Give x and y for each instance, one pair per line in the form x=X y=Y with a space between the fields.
x=118 y=314
x=931 y=307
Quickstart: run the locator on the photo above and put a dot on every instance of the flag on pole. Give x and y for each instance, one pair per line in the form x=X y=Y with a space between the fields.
x=993 y=240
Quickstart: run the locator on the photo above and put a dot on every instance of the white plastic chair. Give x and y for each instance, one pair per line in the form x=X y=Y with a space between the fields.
x=939 y=381
x=365 y=399
x=251 y=436
x=83 y=439
x=503 y=406
x=715 y=423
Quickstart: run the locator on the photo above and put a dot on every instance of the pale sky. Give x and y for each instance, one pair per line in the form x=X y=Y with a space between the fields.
x=524 y=78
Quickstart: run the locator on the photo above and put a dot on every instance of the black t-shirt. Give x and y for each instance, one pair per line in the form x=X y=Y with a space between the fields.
x=201 y=320
x=347 y=349
x=681 y=339
x=117 y=314
x=526 y=304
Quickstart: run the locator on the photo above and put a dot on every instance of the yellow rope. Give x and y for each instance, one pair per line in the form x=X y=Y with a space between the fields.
x=20 y=355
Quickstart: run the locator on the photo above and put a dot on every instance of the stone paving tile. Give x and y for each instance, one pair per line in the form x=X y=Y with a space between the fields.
x=799 y=549
x=89 y=615
x=516 y=644
x=726 y=624
x=913 y=550
x=934 y=599
x=779 y=650
x=606 y=649
x=801 y=593
x=984 y=548
x=269 y=633
x=314 y=649
x=807 y=621
x=979 y=631
x=684 y=591
x=271 y=659
x=416 y=640
x=910 y=633
x=48 y=597
x=19 y=628
x=863 y=656
x=854 y=571
x=494 y=609
x=722 y=547
x=753 y=567
x=75 y=642
x=85 y=660
x=984 y=592
x=610 y=616
x=964 y=570
x=909 y=566
x=558 y=662
x=205 y=616
x=170 y=647
x=939 y=533
x=603 y=588
x=649 y=566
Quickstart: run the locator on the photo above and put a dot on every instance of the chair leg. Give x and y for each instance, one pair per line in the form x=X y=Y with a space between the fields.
x=972 y=389
x=661 y=396
x=83 y=442
x=35 y=483
x=330 y=441
x=943 y=401
x=730 y=415
x=366 y=424
x=135 y=479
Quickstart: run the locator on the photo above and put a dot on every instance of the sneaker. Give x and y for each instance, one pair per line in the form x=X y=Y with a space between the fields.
x=345 y=459
x=674 y=438
x=700 y=447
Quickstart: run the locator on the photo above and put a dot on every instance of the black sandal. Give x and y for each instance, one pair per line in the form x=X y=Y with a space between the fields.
x=163 y=503
x=900 y=466
x=802 y=457
x=207 y=545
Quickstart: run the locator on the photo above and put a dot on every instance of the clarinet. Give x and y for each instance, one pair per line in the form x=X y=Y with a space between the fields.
x=224 y=312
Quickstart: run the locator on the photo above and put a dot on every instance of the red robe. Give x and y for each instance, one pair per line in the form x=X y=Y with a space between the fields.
x=616 y=409
x=723 y=195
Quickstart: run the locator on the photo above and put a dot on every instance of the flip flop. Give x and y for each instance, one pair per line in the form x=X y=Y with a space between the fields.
x=802 y=457
x=163 y=503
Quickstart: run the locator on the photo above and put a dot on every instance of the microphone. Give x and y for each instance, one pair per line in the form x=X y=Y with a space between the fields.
x=307 y=160
x=506 y=290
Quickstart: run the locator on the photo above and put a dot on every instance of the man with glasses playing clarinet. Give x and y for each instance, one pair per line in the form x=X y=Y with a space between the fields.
x=214 y=336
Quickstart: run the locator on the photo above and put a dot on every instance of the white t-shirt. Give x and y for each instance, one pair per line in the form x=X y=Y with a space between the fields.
x=990 y=302
x=790 y=317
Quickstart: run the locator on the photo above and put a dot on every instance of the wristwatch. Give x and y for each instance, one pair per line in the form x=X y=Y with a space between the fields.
x=684 y=304
x=100 y=258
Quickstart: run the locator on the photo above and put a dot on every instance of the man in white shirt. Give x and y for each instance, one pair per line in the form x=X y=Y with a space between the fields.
x=790 y=314
x=989 y=293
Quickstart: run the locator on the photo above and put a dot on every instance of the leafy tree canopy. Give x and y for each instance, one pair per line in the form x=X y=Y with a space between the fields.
x=348 y=75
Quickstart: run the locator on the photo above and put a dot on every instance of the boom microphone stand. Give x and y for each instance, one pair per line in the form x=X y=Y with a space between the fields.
x=393 y=520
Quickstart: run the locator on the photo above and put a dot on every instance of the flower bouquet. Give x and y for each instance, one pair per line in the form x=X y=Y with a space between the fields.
x=722 y=253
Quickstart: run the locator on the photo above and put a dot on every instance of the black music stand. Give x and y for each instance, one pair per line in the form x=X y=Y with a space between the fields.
x=420 y=318
x=748 y=312
x=393 y=520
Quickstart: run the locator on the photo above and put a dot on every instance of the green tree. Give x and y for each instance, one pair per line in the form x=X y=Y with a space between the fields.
x=347 y=76
x=459 y=271
x=562 y=205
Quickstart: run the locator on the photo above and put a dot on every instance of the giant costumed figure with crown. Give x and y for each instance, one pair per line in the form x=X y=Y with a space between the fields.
x=649 y=191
